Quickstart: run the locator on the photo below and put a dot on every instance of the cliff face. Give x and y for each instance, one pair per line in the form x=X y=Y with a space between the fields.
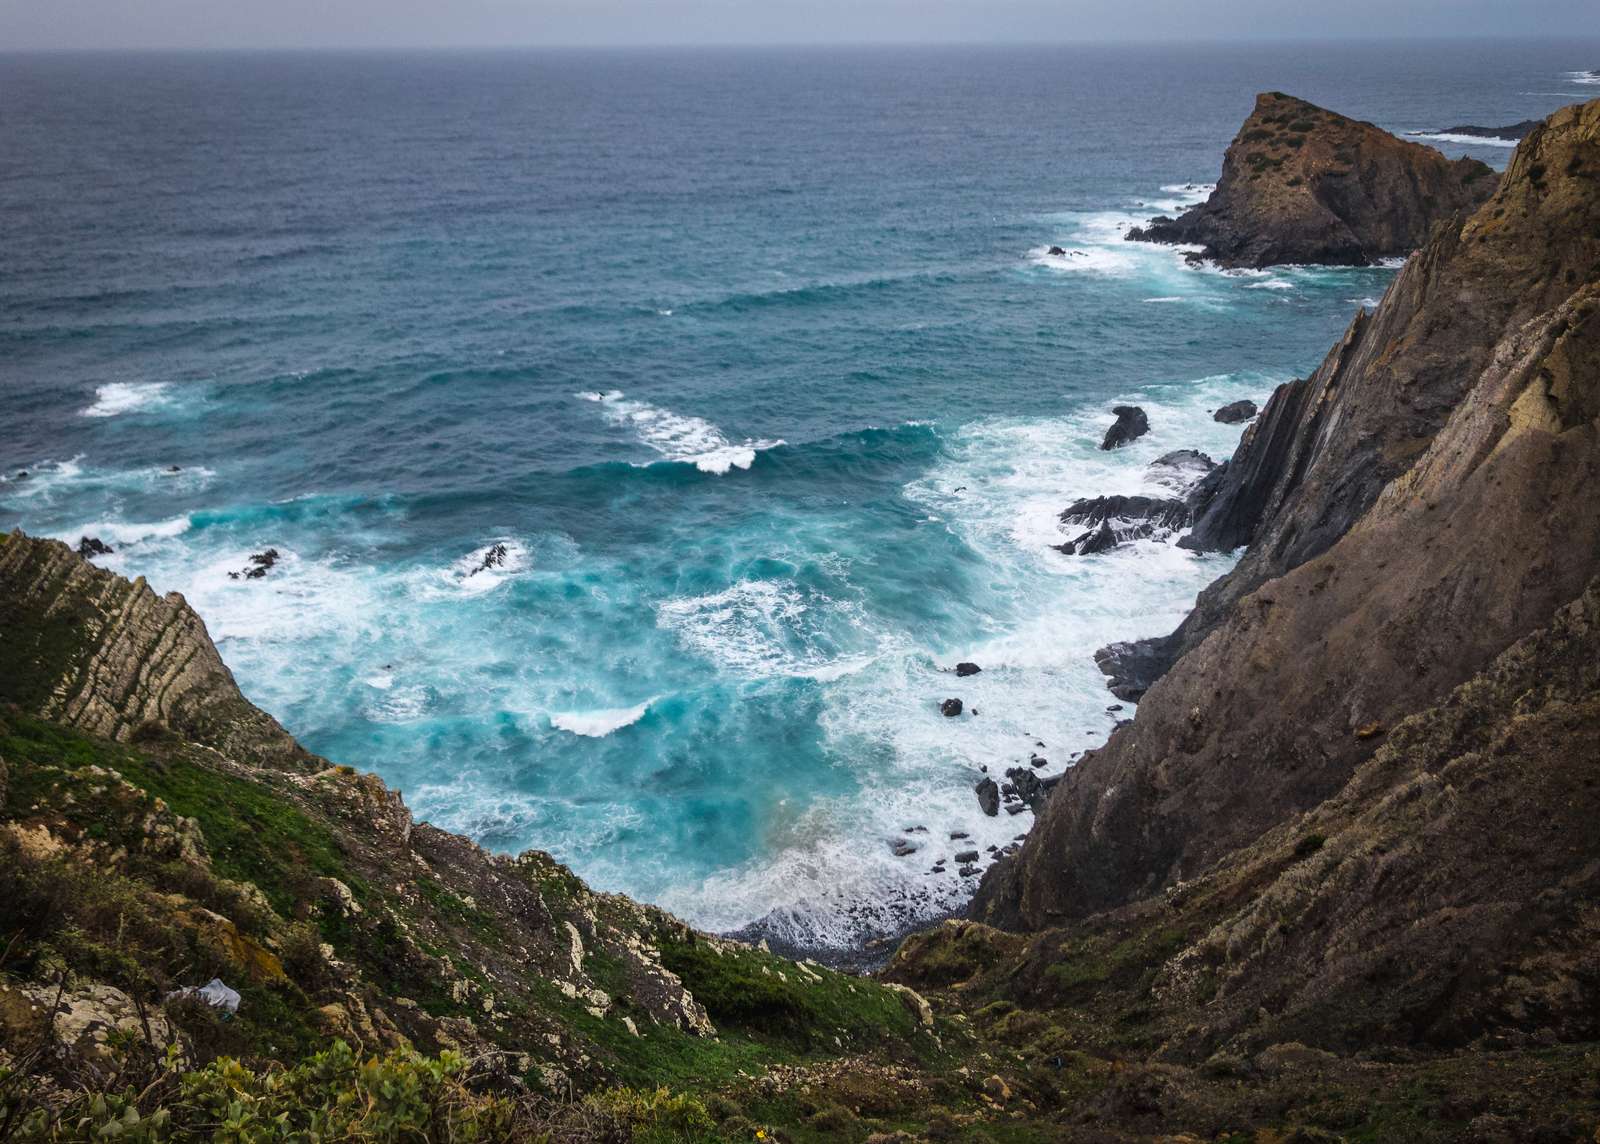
x=1444 y=897
x=89 y=649
x=1301 y=184
x=1423 y=501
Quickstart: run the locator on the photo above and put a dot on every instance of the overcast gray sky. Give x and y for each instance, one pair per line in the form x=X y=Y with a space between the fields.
x=466 y=23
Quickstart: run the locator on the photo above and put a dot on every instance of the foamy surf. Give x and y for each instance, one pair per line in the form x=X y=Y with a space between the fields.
x=676 y=436
x=488 y=567
x=599 y=724
x=1465 y=140
x=119 y=397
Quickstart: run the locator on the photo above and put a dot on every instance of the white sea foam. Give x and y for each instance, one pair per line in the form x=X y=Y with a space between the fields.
x=1368 y=302
x=678 y=437
x=599 y=724
x=825 y=871
x=1447 y=137
x=475 y=574
x=1271 y=284
x=759 y=629
x=1584 y=77
x=120 y=533
x=119 y=397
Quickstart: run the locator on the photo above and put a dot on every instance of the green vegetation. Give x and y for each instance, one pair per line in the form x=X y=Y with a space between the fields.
x=767 y=997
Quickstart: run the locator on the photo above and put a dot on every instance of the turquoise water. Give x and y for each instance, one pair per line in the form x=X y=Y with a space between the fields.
x=755 y=363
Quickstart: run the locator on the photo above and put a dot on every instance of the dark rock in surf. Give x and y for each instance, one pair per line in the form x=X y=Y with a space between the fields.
x=988 y=796
x=950 y=708
x=1235 y=412
x=965 y=669
x=260 y=564
x=967 y=856
x=494 y=558
x=1057 y=252
x=93 y=546
x=1114 y=520
x=1027 y=785
x=1131 y=424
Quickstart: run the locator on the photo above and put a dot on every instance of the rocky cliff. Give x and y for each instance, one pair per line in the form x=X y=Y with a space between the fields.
x=1301 y=184
x=1419 y=504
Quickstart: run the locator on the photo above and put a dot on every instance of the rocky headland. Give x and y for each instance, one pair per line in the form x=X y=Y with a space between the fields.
x=1301 y=184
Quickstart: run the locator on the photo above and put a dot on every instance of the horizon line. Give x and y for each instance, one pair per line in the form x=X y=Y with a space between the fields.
x=771 y=45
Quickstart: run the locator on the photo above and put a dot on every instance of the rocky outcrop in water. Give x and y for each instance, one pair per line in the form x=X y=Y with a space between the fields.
x=1420 y=503
x=1235 y=411
x=1301 y=184
x=1131 y=424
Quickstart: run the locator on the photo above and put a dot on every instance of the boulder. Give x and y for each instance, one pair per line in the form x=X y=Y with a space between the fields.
x=1131 y=424
x=1236 y=411
x=988 y=796
x=93 y=546
x=950 y=708
x=965 y=669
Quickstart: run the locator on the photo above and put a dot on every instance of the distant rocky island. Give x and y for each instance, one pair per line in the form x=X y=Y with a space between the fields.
x=1335 y=881
x=1301 y=184
x=1510 y=131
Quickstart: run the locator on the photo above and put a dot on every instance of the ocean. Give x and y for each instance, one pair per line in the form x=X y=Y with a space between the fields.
x=755 y=365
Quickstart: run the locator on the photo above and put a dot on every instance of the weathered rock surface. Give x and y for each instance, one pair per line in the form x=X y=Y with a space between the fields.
x=90 y=649
x=1301 y=184
x=1423 y=501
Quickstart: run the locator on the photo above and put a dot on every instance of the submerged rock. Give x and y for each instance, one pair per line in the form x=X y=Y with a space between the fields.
x=1131 y=424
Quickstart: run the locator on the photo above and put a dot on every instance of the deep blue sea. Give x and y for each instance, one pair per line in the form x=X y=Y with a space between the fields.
x=755 y=363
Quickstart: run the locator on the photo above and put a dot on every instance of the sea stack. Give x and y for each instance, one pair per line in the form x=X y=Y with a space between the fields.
x=1301 y=184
